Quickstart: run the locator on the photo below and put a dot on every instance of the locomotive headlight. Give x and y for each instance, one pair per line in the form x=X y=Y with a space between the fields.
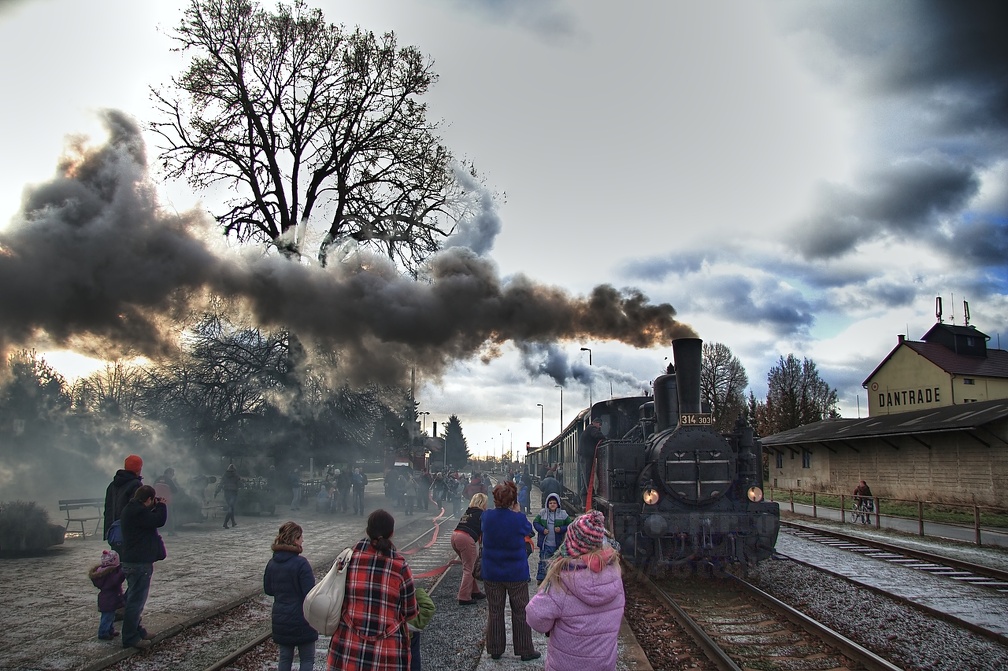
x=755 y=494
x=651 y=496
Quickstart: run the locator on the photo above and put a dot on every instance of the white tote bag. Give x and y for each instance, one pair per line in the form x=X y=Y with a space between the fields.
x=323 y=606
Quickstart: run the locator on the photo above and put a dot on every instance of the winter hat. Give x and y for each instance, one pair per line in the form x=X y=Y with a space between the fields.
x=585 y=534
x=109 y=558
x=133 y=464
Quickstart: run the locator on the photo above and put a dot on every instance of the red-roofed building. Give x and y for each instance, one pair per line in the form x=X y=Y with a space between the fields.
x=937 y=427
x=950 y=366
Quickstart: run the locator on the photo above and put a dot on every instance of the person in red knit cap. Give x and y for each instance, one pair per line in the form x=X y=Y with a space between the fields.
x=125 y=483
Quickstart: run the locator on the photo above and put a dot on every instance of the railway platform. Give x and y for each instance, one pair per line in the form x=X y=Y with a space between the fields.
x=51 y=619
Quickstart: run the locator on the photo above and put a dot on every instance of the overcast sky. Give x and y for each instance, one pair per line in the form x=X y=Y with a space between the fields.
x=794 y=178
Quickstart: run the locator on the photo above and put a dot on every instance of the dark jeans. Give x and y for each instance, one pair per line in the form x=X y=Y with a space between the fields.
x=306 y=657
x=106 y=625
x=138 y=580
x=414 y=645
x=230 y=499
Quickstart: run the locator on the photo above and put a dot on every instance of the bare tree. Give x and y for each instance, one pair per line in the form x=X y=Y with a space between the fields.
x=796 y=396
x=304 y=121
x=114 y=391
x=723 y=381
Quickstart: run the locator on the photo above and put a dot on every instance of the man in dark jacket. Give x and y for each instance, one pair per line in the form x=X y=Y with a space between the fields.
x=550 y=485
x=119 y=492
x=590 y=439
x=142 y=546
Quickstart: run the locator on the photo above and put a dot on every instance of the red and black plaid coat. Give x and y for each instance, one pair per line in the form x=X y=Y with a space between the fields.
x=372 y=635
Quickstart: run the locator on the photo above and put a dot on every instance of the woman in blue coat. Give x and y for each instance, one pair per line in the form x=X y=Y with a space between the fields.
x=288 y=578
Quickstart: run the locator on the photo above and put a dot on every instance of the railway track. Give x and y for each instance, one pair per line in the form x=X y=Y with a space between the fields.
x=927 y=562
x=739 y=626
x=223 y=640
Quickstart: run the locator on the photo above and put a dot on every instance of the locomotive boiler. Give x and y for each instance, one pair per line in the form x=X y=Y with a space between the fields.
x=675 y=491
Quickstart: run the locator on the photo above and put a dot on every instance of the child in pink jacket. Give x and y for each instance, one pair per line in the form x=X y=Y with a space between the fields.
x=580 y=603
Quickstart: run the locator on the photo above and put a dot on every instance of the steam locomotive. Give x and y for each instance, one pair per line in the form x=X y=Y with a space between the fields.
x=674 y=491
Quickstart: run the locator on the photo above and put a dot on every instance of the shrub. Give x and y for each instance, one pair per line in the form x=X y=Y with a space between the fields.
x=25 y=529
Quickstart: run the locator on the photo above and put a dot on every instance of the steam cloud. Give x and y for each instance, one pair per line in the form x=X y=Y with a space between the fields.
x=93 y=262
x=552 y=361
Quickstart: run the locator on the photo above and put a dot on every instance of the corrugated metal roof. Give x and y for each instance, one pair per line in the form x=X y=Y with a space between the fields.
x=966 y=417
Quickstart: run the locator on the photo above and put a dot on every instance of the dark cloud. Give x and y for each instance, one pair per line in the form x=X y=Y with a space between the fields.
x=92 y=260
x=908 y=198
x=552 y=361
x=982 y=243
x=934 y=77
x=657 y=269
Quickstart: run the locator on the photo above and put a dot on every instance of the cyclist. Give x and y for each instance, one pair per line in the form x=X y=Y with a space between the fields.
x=864 y=503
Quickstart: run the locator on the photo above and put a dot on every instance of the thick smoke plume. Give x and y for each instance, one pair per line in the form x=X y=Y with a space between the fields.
x=93 y=262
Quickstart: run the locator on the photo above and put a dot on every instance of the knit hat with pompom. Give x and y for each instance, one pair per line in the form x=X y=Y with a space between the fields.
x=585 y=534
x=109 y=558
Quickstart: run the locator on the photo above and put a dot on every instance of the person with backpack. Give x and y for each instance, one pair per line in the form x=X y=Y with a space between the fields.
x=119 y=492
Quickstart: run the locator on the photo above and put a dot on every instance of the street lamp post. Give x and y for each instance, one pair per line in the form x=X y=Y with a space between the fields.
x=560 y=387
x=542 y=424
x=588 y=349
x=511 y=448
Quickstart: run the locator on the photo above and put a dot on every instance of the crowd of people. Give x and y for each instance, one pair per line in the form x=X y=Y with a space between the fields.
x=340 y=490
x=578 y=603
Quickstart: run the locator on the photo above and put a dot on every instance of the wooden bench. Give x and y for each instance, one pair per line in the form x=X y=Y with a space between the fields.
x=78 y=511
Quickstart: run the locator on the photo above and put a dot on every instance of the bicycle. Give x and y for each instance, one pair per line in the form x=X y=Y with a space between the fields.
x=861 y=510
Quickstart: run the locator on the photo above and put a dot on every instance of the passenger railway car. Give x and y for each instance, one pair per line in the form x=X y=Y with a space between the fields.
x=674 y=491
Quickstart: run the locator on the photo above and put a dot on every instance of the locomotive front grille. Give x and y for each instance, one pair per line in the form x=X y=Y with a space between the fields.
x=698 y=476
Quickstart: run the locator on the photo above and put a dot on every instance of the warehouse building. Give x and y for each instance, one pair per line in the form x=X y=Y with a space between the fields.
x=937 y=427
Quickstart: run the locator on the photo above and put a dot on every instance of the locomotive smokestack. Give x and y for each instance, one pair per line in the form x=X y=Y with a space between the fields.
x=688 y=358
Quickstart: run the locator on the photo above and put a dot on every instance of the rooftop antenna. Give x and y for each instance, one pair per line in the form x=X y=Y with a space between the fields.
x=938 y=309
x=952 y=300
x=966 y=312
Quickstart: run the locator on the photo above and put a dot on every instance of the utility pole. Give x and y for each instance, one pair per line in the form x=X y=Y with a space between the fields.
x=588 y=349
x=542 y=424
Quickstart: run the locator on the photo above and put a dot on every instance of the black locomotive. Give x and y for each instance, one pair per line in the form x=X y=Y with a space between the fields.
x=674 y=491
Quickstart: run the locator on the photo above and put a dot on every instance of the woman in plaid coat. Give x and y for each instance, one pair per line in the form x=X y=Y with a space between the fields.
x=380 y=598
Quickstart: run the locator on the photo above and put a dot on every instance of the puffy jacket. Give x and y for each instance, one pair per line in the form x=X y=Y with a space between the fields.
x=288 y=579
x=547 y=521
x=142 y=543
x=108 y=580
x=582 y=616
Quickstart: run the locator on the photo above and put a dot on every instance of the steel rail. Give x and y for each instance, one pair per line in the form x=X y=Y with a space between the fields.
x=723 y=661
x=985 y=571
x=853 y=650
